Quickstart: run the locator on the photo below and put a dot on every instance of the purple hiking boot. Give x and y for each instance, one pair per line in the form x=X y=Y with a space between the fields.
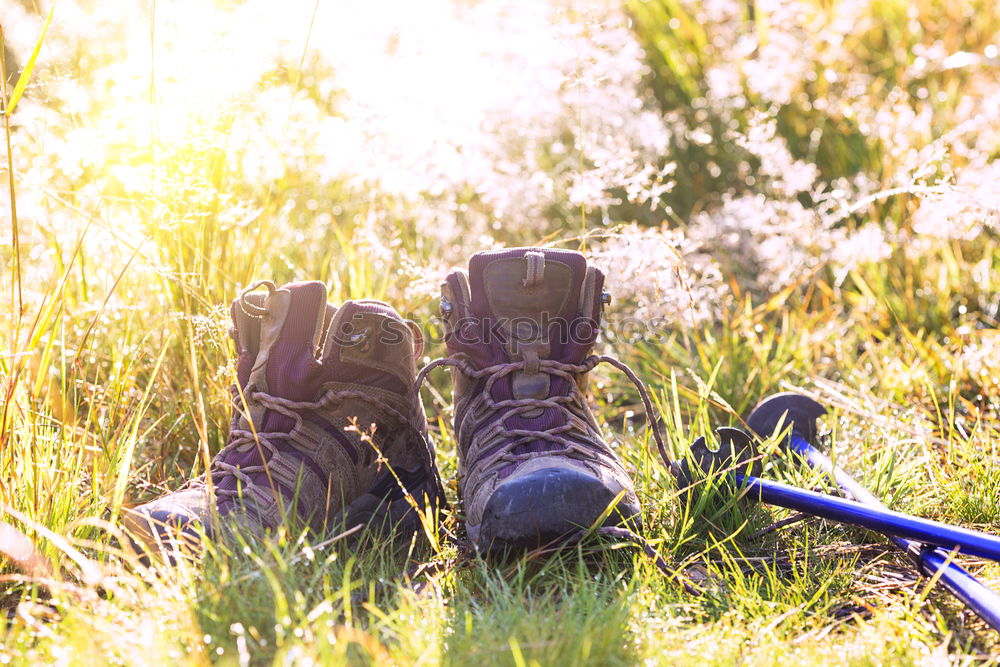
x=325 y=428
x=534 y=468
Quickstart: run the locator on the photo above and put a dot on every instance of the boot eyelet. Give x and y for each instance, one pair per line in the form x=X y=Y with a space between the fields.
x=361 y=340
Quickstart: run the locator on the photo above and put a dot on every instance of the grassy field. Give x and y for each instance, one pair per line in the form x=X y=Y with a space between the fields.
x=795 y=194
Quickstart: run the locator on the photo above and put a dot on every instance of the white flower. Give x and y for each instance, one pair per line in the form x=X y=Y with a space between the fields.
x=963 y=209
x=658 y=277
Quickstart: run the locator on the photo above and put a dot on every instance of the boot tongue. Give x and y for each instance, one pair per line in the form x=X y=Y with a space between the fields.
x=527 y=284
x=528 y=299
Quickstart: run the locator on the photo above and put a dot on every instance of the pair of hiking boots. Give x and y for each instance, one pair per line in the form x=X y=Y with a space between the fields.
x=328 y=429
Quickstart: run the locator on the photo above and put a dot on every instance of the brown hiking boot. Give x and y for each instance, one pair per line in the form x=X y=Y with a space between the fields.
x=534 y=468
x=324 y=425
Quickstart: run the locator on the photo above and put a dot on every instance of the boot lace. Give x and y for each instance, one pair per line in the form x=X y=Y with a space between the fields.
x=248 y=440
x=514 y=437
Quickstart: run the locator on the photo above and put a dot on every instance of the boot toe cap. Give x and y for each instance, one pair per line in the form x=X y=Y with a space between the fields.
x=544 y=506
x=166 y=526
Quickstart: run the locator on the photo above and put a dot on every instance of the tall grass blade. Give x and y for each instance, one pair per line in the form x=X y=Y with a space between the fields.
x=25 y=77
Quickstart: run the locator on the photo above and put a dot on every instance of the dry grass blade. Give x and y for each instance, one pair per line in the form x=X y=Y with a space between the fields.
x=90 y=572
x=19 y=548
x=25 y=77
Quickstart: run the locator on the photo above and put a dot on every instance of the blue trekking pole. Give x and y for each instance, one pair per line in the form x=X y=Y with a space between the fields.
x=799 y=413
x=826 y=506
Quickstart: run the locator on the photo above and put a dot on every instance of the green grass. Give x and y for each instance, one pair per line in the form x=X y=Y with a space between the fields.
x=115 y=378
